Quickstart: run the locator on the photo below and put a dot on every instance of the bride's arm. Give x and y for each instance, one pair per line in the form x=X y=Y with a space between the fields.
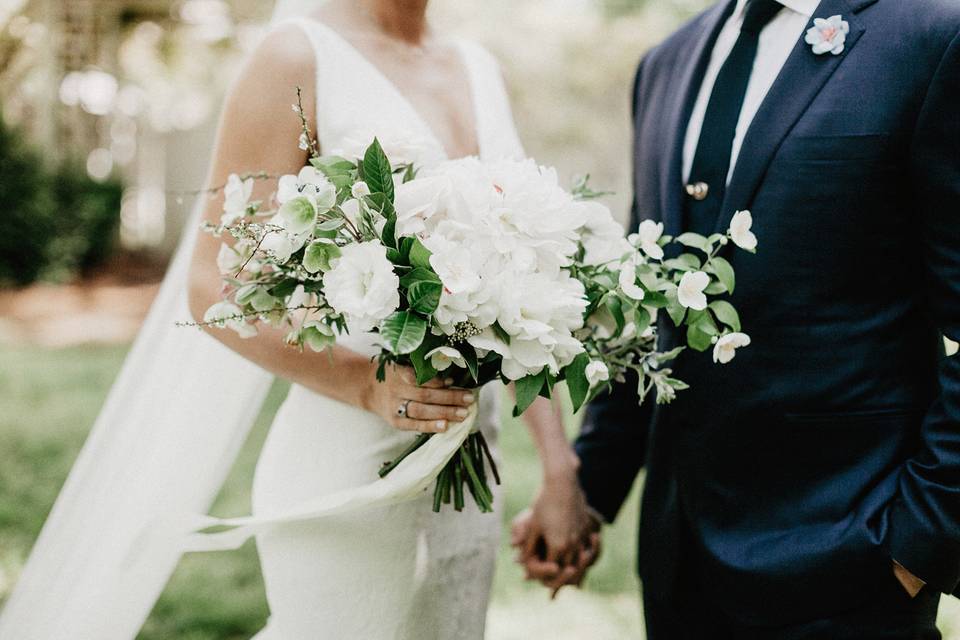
x=259 y=132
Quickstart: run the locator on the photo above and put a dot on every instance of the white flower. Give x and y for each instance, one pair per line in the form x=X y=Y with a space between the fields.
x=351 y=210
x=236 y=198
x=442 y=357
x=628 y=282
x=596 y=373
x=231 y=258
x=740 y=231
x=417 y=201
x=690 y=291
x=310 y=183
x=226 y=314
x=648 y=234
x=359 y=189
x=400 y=148
x=453 y=262
x=828 y=35
x=726 y=347
x=601 y=236
x=362 y=285
x=280 y=242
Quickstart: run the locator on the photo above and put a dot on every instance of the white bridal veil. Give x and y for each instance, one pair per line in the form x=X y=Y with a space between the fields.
x=163 y=443
x=154 y=462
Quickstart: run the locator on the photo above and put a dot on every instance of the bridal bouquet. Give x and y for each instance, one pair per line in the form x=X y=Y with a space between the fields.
x=480 y=270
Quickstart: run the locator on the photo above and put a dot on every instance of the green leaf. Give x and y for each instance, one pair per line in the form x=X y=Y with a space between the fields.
x=726 y=314
x=331 y=166
x=283 y=288
x=422 y=366
x=694 y=240
x=330 y=225
x=501 y=333
x=377 y=171
x=418 y=275
x=527 y=390
x=715 y=288
x=616 y=310
x=470 y=357
x=318 y=255
x=724 y=272
x=706 y=324
x=403 y=332
x=675 y=310
x=655 y=299
x=575 y=374
x=419 y=254
x=424 y=296
x=697 y=339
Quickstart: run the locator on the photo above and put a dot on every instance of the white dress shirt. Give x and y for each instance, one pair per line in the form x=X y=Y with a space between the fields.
x=777 y=40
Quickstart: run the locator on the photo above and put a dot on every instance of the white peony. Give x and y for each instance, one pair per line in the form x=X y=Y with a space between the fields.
x=726 y=347
x=740 y=231
x=443 y=357
x=690 y=290
x=236 y=198
x=601 y=236
x=596 y=373
x=362 y=285
x=417 y=201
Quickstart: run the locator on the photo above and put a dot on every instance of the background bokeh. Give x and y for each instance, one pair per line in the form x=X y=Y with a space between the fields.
x=107 y=112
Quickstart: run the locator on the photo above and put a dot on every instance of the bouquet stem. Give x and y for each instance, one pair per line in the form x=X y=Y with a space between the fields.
x=467 y=467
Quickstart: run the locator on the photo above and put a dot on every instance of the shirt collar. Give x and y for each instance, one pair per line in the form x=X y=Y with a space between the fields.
x=805 y=8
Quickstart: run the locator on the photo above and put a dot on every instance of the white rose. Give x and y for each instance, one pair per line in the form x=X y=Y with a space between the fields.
x=726 y=347
x=648 y=234
x=690 y=291
x=362 y=285
x=628 y=282
x=596 y=373
x=442 y=357
x=740 y=231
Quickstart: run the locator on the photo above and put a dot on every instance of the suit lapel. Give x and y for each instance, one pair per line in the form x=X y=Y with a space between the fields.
x=803 y=76
x=691 y=76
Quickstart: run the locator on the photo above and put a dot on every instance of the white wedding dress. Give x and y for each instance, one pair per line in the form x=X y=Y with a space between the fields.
x=399 y=571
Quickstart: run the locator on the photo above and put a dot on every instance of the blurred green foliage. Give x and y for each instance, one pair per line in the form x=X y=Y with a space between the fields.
x=55 y=221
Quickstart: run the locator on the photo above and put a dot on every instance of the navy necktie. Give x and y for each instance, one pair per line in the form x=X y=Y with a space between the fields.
x=711 y=164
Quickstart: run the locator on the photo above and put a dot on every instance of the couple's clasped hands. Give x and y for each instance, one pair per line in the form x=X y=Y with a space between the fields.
x=558 y=537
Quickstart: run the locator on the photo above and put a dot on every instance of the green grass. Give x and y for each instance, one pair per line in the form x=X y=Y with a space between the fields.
x=51 y=397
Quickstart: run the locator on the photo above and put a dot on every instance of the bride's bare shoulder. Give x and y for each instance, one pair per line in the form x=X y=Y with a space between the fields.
x=284 y=54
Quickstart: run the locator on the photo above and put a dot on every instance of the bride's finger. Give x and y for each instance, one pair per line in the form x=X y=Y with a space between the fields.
x=423 y=426
x=451 y=397
x=421 y=411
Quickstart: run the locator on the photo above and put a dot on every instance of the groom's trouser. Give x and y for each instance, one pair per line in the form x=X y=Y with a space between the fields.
x=888 y=614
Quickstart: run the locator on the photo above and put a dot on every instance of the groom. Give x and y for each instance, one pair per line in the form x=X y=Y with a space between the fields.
x=811 y=488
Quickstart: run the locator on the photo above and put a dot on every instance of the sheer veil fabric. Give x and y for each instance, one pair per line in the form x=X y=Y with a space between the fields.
x=169 y=432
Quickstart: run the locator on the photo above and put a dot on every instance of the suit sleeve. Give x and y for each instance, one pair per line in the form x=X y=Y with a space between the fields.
x=612 y=440
x=924 y=518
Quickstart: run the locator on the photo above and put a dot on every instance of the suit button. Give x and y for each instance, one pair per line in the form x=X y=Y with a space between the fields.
x=697 y=190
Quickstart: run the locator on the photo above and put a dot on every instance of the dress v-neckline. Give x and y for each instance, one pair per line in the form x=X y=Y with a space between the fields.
x=408 y=104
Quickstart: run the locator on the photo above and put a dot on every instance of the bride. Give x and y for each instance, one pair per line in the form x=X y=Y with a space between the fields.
x=365 y=67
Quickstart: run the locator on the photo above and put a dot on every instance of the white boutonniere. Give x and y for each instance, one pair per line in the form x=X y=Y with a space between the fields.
x=828 y=34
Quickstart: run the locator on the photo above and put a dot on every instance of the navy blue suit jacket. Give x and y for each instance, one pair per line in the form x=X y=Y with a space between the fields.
x=832 y=443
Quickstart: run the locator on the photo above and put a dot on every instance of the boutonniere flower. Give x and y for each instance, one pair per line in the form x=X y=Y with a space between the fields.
x=828 y=34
